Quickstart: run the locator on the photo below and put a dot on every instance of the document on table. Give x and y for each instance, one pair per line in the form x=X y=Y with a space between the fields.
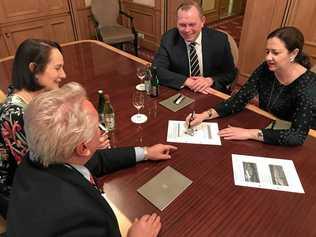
x=205 y=133
x=267 y=173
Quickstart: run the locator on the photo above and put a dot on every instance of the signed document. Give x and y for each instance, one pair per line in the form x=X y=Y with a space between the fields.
x=267 y=173
x=206 y=133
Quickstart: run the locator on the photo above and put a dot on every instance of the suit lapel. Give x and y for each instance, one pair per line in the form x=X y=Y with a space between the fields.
x=182 y=54
x=206 y=52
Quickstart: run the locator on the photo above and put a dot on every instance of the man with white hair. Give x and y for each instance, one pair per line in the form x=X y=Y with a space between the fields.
x=53 y=190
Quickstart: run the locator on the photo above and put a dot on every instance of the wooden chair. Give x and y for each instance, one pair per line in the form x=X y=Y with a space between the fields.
x=108 y=30
x=313 y=69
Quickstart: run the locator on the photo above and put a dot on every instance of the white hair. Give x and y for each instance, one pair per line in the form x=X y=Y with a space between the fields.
x=56 y=122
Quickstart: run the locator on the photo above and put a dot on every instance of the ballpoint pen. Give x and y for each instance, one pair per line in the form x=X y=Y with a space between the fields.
x=176 y=99
x=191 y=119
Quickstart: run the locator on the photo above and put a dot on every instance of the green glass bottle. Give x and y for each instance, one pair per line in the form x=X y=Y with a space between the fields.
x=154 y=92
x=109 y=115
x=101 y=106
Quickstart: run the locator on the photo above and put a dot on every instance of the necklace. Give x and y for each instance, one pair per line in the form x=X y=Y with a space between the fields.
x=272 y=103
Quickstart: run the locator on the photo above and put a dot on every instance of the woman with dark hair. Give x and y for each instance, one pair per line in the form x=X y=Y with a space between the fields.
x=286 y=88
x=38 y=67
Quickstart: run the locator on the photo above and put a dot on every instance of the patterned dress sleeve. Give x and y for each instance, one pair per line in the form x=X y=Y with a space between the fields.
x=237 y=102
x=302 y=117
x=12 y=132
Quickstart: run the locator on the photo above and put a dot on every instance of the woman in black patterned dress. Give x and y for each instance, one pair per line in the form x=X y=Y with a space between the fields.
x=285 y=87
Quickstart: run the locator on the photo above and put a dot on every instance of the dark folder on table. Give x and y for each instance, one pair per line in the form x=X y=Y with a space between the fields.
x=165 y=187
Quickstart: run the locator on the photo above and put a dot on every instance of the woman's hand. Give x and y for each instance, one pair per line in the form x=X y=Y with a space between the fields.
x=236 y=133
x=196 y=119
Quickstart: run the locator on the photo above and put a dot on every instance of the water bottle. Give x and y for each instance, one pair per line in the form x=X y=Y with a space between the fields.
x=109 y=115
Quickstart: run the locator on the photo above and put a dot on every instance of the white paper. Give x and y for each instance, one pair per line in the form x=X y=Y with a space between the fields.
x=206 y=133
x=267 y=173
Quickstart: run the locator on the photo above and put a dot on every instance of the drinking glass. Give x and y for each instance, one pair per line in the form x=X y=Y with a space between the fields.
x=141 y=74
x=138 y=101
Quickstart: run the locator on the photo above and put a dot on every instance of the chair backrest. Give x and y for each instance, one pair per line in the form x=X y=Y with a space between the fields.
x=2 y=97
x=233 y=47
x=313 y=68
x=106 y=12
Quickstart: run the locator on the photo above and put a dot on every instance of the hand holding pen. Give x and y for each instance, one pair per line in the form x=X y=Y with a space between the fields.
x=191 y=119
x=190 y=130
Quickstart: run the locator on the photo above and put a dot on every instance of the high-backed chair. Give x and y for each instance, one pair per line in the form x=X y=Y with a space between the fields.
x=233 y=47
x=313 y=69
x=235 y=53
x=108 y=30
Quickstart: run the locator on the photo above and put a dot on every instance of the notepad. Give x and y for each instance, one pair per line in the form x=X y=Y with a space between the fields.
x=164 y=188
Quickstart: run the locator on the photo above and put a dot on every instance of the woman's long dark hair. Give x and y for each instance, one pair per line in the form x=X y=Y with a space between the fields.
x=293 y=39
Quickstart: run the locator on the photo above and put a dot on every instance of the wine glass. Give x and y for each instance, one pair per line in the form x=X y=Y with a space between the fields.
x=138 y=102
x=141 y=74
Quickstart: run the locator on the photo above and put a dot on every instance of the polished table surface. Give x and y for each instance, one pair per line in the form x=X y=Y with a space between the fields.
x=212 y=205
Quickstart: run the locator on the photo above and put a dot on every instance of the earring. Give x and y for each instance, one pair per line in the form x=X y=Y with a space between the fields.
x=291 y=59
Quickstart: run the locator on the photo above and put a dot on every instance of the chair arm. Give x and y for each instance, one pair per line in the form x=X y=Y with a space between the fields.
x=96 y=28
x=127 y=15
x=131 y=20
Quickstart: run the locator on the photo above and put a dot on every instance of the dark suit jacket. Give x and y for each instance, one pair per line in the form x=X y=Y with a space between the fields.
x=59 y=201
x=173 y=64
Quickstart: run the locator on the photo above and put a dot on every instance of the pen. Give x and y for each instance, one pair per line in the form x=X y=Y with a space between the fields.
x=191 y=119
x=178 y=97
x=179 y=100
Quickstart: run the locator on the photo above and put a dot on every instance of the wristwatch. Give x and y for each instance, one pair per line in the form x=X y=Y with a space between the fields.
x=260 y=134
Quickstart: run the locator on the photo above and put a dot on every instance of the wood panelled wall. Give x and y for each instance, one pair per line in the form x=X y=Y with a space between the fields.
x=262 y=17
x=49 y=19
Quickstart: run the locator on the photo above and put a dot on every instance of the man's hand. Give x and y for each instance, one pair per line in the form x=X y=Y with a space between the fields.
x=199 y=84
x=159 y=152
x=104 y=142
x=146 y=226
x=207 y=91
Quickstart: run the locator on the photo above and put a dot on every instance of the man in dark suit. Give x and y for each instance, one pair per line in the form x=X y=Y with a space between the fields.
x=54 y=193
x=216 y=65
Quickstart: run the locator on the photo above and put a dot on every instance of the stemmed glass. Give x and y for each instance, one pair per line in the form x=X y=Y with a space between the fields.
x=141 y=74
x=138 y=103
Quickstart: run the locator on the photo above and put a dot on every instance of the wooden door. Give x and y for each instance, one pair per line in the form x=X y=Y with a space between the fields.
x=302 y=14
x=261 y=17
x=15 y=34
x=4 y=51
x=56 y=6
x=14 y=10
x=61 y=29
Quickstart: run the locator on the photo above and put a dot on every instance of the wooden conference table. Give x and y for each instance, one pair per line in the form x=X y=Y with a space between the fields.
x=212 y=205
